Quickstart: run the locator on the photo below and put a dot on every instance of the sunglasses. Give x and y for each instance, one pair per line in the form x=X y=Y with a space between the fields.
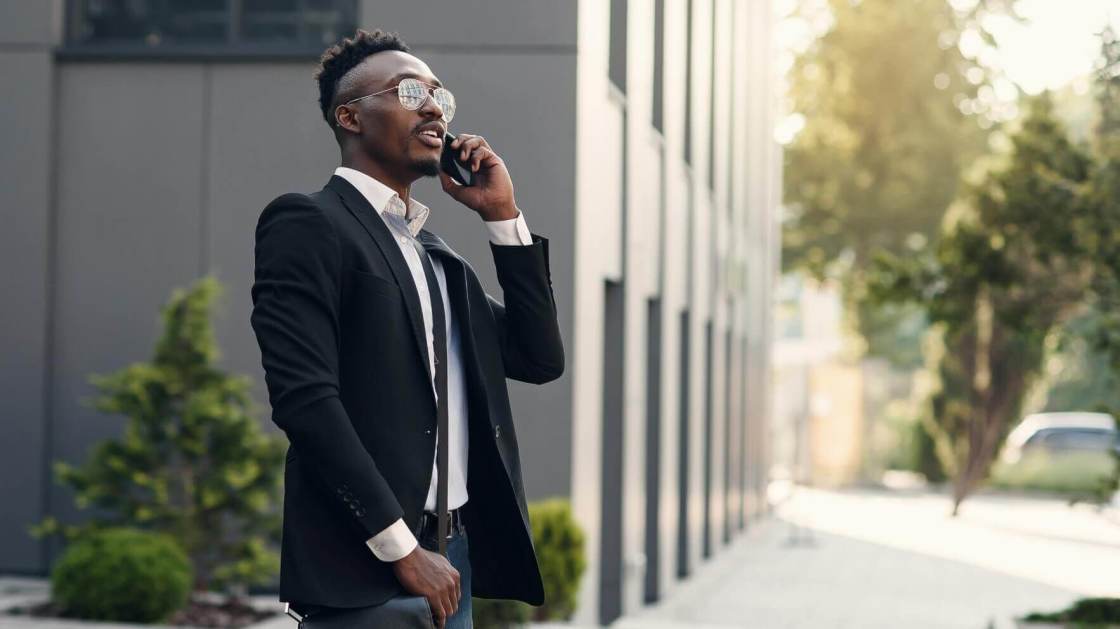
x=413 y=93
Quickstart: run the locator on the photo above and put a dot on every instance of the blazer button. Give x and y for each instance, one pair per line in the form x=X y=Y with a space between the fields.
x=497 y=431
x=427 y=431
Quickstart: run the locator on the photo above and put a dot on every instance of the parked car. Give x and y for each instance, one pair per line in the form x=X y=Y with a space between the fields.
x=1062 y=433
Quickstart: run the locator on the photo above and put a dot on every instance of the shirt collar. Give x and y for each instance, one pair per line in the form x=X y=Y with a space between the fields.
x=384 y=199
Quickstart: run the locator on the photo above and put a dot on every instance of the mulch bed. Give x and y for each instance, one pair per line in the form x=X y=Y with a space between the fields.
x=229 y=614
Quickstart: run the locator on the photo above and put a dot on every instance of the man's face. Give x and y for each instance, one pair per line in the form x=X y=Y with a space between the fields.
x=389 y=133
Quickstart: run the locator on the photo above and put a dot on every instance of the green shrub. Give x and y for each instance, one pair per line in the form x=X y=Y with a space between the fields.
x=559 y=545
x=1092 y=611
x=122 y=574
x=499 y=614
x=192 y=459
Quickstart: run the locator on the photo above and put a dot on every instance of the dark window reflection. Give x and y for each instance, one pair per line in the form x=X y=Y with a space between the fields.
x=159 y=23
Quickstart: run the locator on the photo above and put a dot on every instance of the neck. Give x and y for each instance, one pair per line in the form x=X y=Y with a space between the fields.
x=363 y=164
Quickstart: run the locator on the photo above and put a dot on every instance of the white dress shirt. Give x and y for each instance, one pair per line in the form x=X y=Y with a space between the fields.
x=397 y=540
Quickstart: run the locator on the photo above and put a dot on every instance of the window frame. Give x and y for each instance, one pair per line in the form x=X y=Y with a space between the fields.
x=234 y=48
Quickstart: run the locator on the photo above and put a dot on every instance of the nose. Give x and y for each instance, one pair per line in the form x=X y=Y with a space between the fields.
x=430 y=106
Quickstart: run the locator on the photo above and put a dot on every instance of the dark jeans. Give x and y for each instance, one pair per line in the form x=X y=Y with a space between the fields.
x=459 y=556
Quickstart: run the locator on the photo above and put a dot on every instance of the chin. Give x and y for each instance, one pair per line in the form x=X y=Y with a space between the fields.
x=427 y=167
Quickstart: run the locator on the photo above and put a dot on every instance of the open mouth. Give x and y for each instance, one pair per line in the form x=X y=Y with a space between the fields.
x=431 y=138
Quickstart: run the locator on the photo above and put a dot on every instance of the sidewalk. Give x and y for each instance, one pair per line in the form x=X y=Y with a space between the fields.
x=870 y=559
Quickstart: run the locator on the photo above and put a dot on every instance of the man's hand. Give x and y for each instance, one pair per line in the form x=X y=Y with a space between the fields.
x=430 y=575
x=492 y=194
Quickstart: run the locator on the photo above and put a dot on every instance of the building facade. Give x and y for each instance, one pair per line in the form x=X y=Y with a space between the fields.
x=141 y=145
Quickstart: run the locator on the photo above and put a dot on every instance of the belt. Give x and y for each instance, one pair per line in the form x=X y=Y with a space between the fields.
x=429 y=525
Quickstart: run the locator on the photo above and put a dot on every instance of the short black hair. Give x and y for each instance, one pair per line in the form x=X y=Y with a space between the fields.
x=342 y=57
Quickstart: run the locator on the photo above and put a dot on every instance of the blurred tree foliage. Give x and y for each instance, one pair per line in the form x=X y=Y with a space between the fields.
x=192 y=462
x=1080 y=376
x=1036 y=243
x=885 y=142
x=1105 y=244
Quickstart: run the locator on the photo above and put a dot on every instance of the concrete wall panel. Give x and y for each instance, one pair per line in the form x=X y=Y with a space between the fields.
x=129 y=229
x=25 y=195
x=264 y=136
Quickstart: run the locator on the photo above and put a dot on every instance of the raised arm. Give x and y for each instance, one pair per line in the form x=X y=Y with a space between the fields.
x=528 y=331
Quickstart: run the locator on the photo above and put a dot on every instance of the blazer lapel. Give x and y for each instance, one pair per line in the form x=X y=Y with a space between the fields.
x=454 y=272
x=357 y=205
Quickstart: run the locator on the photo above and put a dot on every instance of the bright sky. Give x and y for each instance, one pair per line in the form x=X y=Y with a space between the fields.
x=1057 y=43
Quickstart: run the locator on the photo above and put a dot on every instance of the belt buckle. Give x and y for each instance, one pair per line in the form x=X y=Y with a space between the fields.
x=427 y=519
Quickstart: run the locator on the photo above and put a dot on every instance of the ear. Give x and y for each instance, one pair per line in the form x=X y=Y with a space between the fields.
x=347 y=118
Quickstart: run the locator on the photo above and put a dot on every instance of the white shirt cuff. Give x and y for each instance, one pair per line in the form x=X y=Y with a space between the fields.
x=512 y=231
x=393 y=543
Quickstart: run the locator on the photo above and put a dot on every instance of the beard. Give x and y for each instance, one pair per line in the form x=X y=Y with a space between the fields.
x=426 y=167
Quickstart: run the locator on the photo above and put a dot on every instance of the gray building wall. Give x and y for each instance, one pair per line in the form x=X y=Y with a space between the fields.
x=27 y=36
x=126 y=178
x=679 y=218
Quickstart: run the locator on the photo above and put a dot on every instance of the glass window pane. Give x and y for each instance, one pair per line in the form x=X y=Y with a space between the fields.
x=165 y=23
x=195 y=21
x=115 y=20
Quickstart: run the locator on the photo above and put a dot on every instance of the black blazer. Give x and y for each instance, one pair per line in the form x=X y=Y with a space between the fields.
x=337 y=317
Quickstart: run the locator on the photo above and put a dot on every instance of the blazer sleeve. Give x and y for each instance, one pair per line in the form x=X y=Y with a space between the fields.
x=528 y=331
x=296 y=297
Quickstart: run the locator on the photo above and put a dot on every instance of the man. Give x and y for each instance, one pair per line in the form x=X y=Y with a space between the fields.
x=363 y=317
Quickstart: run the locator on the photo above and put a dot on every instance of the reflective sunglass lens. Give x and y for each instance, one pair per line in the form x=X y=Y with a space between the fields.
x=412 y=94
x=446 y=102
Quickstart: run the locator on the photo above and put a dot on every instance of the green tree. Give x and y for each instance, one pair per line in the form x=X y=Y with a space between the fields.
x=886 y=138
x=1011 y=266
x=193 y=461
x=1103 y=225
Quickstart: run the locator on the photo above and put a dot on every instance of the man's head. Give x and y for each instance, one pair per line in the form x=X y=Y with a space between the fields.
x=378 y=130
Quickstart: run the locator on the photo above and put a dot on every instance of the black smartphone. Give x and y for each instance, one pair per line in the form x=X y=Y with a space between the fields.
x=449 y=162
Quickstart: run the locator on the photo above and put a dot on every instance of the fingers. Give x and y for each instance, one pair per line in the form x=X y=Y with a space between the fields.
x=449 y=185
x=482 y=156
x=453 y=589
x=476 y=149
x=438 y=613
x=458 y=588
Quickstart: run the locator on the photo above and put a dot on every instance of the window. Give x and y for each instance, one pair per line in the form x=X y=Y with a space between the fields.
x=1075 y=439
x=683 y=406
x=688 y=84
x=653 y=450
x=614 y=365
x=617 y=62
x=730 y=135
x=206 y=27
x=659 y=65
x=706 y=536
x=712 y=103
x=730 y=387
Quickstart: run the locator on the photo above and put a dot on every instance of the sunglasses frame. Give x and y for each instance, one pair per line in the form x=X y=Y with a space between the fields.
x=430 y=91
